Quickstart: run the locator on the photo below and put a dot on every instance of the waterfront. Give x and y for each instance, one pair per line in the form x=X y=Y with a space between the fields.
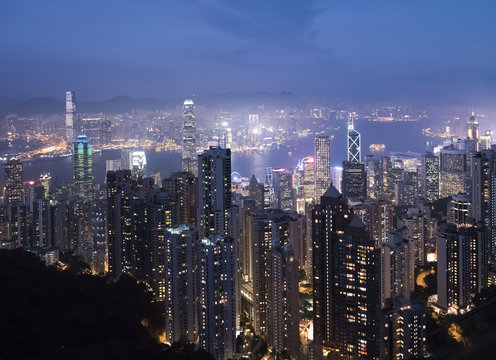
x=246 y=163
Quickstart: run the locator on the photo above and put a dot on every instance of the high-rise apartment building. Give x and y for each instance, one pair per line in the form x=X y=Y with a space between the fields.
x=452 y=171
x=462 y=265
x=347 y=281
x=216 y=296
x=181 y=266
x=214 y=191
x=322 y=165
x=189 y=158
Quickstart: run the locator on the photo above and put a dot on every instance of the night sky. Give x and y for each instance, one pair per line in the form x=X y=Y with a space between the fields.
x=425 y=50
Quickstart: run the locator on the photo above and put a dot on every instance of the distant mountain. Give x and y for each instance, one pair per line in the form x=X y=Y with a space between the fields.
x=123 y=104
x=4 y=102
x=35 y=106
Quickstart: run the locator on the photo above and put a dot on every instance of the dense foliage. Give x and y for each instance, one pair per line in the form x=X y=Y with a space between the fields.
x=51 y=314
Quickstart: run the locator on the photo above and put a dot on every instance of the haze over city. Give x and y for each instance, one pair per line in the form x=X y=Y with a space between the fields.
x=262 y=180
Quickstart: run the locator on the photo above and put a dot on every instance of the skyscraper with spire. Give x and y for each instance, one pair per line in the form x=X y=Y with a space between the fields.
x=472 y=128
x=189 y=160
x=353 y=141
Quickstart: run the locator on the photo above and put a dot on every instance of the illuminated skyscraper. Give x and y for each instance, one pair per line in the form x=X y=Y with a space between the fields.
x=462 y=265
x=459 y=209
x=453 y=171
x=429 y=177
x=189 y=160
x=13 y=182
x=216 y=297
x=472 y=128
x=45 y=180
x=353 y=142
x=70 y=115
x=346 y=281
x=354 y=182
x=322 y=165
x=181 y=308
x=214 y=191
x=82 y=161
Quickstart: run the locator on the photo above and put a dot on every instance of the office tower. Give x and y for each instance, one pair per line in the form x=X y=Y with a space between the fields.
x=354 y=183
x=284 y=189
x=378 y=217
x=183 y=188
x=322 y=165
x=462 y=265
x=337 y=177
x=113 y=165
x=181 y=264
x=486 y=140
x=307 y=185
x=283 y=324
x=137 y=163
x=372 y=171
x=45 y=180
x=346 y=278
x=429 y=177
x=453 y=171
x=216 y=297
x=459 y=209
x=353 y=142
x=189 y=160
x=13 y=182
x=256 y=191
x=214 y=191
x=91 y=126
x=106 y=132
x=70 y=116
x=472 y=128
x=269 y=191
x=82 y=161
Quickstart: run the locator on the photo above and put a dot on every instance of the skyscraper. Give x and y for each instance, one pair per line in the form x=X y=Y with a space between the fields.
x=181 y=265
x=189 y=159
x=354 y=182
x=462 y=265
x=214 y=191
x=70 y=116
x=472 y=128
x=346 y=278
x=13 y=182
x=452 y=171
x=429 y=177
x=82 y=161
x=216 y=297
x=322 y=165
x=353 y=142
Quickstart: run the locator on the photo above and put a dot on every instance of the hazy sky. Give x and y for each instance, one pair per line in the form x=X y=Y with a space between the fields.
x=346 y=49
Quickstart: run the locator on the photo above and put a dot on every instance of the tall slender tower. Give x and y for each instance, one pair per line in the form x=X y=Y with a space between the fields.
x=353 y=142
x=70 y=115
x=214 y=191
x=322 y=165
x=189 y=138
